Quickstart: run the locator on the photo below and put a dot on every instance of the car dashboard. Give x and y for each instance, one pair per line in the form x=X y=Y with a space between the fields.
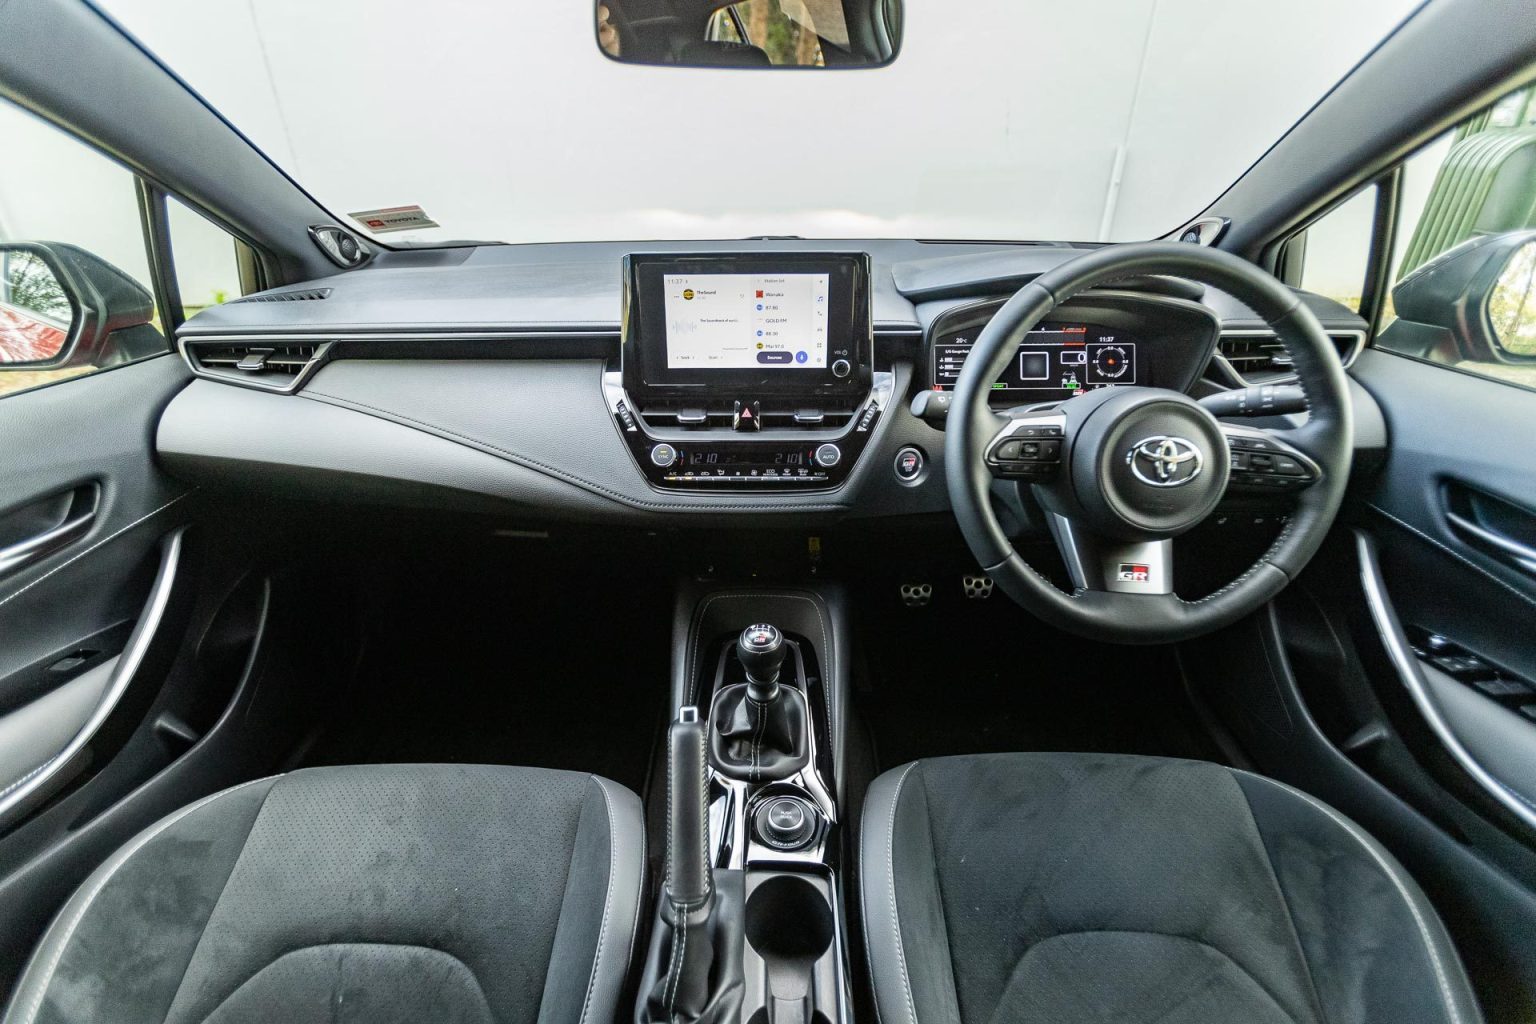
x=597 y=382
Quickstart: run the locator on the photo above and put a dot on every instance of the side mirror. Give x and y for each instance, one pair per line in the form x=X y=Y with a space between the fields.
x=1472 y=302
x=62 y=306
x=1512 y=306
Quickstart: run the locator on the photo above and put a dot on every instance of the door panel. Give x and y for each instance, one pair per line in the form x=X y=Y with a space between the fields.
x=1448 y=516
x=78 y=452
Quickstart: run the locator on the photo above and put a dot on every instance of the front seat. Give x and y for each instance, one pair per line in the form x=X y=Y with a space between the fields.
x=1068 y=888
x=379 y=894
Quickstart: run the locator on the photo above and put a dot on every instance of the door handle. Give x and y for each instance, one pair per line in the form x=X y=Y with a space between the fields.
x=82 y=514
x=1523 y=555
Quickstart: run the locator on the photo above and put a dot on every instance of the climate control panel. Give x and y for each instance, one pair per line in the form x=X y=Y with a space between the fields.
x=702 y=454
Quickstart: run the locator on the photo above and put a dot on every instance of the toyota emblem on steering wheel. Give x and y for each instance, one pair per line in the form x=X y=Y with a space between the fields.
x=1164 y=461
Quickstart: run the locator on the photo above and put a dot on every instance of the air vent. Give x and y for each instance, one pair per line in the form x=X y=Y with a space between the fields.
x=274 y=366
x=303 y=295
x=827 y=415
x=1259 y=358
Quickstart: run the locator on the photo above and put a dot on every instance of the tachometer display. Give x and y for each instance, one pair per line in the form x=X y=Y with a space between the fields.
x=1053 y=361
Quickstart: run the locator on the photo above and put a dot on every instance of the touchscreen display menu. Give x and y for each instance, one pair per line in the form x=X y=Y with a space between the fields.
x=746 y=321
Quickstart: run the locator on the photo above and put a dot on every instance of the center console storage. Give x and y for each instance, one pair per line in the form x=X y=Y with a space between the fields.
x=792 y=969
x=753 y=818
x=747 y=371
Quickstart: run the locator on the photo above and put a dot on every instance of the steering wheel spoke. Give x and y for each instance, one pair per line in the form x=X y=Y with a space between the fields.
x=1265 y=462
x=1113 y=566
x=1028 y=447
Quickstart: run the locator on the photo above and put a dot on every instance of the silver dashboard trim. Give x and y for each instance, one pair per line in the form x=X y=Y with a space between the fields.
x=321 y=357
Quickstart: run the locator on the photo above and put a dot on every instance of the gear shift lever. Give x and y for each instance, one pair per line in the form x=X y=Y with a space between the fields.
x=761 y=650
x=758 y=731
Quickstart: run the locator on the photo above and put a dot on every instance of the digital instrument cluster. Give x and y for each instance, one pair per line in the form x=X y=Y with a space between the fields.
x=1055 y=361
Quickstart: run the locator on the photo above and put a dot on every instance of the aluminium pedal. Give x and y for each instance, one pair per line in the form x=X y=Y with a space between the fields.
x=977 y=588
x=916 y=595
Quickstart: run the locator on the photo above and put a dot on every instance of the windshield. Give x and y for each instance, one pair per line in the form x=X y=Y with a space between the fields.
x=998 y=119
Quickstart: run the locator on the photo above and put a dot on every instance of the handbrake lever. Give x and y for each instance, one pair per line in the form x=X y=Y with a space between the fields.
x=693 y=970
x=689 y=884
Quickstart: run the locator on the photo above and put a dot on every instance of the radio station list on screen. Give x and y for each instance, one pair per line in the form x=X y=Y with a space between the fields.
x=746 y=321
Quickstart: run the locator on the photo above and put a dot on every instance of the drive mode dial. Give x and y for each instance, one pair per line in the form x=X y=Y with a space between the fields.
x=786 y=823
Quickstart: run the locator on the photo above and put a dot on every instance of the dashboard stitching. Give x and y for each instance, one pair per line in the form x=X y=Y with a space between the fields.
x=571 y=478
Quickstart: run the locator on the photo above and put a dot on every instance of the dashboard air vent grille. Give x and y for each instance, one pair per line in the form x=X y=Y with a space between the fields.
x=720 y=416
x=278 y=366
x=1258 y=357
x=302 y=295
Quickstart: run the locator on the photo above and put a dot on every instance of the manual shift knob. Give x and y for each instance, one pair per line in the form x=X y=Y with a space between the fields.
x=761 y=651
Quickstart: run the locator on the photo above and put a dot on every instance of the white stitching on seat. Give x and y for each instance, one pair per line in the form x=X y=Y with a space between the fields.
x=23 y=780
x=602 y=931
x=127 y=855
x=1397 y=882
x=890 y=864
x=634 y=928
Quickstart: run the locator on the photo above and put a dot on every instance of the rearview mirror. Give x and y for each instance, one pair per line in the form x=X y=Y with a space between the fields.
x=62 y=306
x=750 y=33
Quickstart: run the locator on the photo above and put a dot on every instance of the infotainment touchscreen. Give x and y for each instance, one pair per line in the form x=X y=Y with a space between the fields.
x=744 y=321
x=746 y=325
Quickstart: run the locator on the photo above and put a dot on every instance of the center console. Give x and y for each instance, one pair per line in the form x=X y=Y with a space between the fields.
x=750 y=925
x=747 y=371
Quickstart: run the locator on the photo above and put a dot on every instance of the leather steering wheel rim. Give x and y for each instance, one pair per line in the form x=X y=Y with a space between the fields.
x=1327 y=438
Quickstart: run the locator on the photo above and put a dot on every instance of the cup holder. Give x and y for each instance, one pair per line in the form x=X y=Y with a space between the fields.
x=788 y=918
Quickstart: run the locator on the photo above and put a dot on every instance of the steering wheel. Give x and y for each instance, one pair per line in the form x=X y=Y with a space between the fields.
x=1121 y=471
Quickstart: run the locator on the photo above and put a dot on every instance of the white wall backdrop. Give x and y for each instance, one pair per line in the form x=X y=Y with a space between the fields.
x=1000 y=118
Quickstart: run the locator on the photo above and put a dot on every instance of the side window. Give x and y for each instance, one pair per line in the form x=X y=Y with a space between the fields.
x=1338 y=249
x=722 y=27
x=1464 y=255
x=76 y=294
x=786 y=31
x=207 y=267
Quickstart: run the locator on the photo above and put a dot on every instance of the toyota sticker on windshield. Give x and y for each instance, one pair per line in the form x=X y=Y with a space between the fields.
x=394 y=218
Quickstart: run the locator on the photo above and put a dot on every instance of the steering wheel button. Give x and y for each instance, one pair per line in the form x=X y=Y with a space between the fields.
x=1287 y=466
x=1010 y=450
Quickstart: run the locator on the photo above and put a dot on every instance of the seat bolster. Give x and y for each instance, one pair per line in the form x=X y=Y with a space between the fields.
x=1375 y=946
x=906 y=941
x=180 y=862
x=599 y=915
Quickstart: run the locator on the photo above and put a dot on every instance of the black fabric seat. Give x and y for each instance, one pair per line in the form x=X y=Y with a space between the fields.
x=400 y=893
x=1068 y=888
